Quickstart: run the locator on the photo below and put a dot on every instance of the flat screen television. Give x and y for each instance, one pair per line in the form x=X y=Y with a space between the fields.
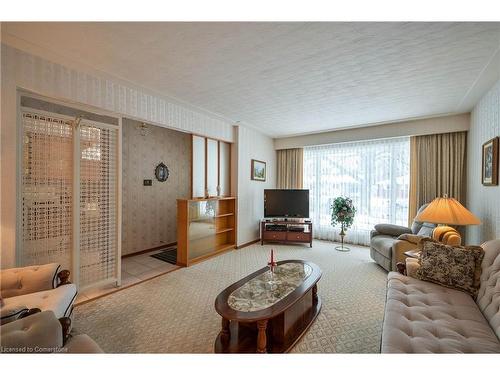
x=286 y=203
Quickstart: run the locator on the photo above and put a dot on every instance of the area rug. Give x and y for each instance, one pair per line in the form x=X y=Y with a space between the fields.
x=167 y=255
x=174 y=313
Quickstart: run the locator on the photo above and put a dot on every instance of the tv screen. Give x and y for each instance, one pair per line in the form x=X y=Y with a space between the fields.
x=286 y=203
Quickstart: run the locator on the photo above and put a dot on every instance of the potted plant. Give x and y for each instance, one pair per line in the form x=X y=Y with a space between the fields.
x=343 y=212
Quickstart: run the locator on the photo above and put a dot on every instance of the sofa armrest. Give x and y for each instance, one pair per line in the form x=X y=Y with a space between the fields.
x=391 y=229
x=413 y=238
x=25 y=280
x=12 y=311
x=63 y=278
x=65 y=327
x=401 y=267
x=412 y=266
x=374 y=233
x=399 y=247
x=82 y=344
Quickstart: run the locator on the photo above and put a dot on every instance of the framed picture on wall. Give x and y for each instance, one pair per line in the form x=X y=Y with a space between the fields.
x=258 y=170
x=490 y=162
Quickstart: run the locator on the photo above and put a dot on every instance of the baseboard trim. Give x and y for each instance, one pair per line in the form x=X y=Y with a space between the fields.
x=248 y=244
x=148 y=250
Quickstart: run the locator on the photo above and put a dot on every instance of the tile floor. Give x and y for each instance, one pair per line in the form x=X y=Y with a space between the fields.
x=135 y=269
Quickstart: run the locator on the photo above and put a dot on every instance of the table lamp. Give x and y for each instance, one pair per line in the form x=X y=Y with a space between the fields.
x=444 y=212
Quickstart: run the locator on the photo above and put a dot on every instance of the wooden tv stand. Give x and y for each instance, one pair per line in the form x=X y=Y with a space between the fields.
x=286 y=232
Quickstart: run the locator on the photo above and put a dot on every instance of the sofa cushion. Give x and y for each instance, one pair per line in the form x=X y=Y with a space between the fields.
x=426 y=230
x=59 y=300
x=488 y=297
x=383 y=244
x=422 y=317
x=416 y=226
x=457 y=267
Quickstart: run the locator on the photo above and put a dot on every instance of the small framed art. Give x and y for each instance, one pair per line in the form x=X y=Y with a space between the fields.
x=489 y=169
x=258 y=170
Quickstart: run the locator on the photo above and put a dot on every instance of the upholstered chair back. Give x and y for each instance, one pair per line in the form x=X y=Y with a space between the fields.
x=40 y=331
x=24 y=280
x=418 y=227
x=488 y=298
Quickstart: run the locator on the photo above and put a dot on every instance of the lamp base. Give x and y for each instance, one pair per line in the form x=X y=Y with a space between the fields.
x=447 y=235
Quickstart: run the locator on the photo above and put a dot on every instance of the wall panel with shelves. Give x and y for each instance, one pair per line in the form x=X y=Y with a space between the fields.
x=205 y=228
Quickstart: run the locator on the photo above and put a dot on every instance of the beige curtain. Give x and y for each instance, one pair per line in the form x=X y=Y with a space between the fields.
x=290 y=168
x=437 y=167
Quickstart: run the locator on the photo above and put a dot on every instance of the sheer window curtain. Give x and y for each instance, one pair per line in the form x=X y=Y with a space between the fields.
x=375 y=174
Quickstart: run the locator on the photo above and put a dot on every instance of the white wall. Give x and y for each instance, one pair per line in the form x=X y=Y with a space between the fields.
x=443 y=124
x=484 y=201
x=20 y=70
x=252 y=144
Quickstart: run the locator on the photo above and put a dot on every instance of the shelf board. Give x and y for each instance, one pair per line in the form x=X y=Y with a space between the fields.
x=208 y=219
x=225 y=246
x=224 y=215
x=224 y=230
x=217 y=250
x=202 y=236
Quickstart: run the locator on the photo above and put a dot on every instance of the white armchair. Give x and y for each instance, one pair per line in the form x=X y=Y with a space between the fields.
x=44 y=333
x=27 y=290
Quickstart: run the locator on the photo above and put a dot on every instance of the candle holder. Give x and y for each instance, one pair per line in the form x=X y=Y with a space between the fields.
x=272 y=267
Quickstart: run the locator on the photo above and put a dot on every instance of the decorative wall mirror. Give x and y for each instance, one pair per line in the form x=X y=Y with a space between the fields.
x=161 y=172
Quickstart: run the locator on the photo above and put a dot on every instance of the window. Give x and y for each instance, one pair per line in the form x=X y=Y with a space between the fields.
x=374 y=174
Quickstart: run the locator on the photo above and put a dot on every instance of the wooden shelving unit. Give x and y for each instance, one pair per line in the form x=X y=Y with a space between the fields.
x=205 y=228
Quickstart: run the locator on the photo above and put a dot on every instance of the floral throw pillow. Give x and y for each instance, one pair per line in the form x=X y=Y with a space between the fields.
x=457 y=267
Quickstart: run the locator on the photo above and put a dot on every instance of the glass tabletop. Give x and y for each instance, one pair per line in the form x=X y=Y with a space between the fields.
x=267 y=288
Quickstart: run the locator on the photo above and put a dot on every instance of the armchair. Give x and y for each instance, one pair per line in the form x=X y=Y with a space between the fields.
x=389 y=242
x=28 y=290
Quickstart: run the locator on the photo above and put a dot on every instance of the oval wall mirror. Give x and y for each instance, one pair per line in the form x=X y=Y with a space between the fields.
x=161 y=172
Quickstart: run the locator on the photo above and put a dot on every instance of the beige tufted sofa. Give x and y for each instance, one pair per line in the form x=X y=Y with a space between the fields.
x=422 y=317
x=44 y=287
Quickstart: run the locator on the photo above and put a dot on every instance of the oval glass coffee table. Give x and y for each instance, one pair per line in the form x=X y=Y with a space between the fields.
x=268 y=312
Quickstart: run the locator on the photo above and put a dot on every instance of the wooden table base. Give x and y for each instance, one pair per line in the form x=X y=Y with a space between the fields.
x=276 y=335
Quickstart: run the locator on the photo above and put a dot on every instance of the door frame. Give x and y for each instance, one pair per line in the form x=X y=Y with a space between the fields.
x=76 y=207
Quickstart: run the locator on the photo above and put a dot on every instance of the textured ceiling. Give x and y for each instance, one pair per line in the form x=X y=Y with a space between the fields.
x=287 y=78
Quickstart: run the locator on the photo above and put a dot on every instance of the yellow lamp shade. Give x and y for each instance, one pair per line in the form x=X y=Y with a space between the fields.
x=447 y=211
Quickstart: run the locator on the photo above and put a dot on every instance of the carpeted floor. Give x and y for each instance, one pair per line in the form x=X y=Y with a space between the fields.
x=174 y=313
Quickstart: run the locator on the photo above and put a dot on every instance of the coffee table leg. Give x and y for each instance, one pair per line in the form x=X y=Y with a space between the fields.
x=224 y=332
x=261 y=336
x=315 y=293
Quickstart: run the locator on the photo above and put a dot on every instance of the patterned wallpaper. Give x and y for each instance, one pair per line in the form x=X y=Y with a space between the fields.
x=484 y=201
x=96 y=89
x=149 y=212
x=253 y=145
